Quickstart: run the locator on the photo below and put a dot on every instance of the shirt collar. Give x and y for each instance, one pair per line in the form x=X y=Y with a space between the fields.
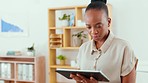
x=105 y=45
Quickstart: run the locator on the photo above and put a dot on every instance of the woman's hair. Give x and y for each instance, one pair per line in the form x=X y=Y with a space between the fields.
x=98 y=5
x=99 y=0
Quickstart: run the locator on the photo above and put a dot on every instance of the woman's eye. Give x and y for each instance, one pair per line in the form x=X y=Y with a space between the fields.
x=99 y=26
x=88 y=27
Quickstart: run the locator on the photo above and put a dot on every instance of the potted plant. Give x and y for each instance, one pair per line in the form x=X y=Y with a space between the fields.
x=65 y=20
x=31 y=51
x=78 y=38
x=62 y=59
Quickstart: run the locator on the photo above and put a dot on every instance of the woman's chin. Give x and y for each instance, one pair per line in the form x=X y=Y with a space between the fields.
x=95 y=39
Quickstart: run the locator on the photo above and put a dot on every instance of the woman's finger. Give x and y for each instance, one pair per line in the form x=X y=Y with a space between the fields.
x=72 y=75
x=93 y=79
x=75 y=77
x=84 y=79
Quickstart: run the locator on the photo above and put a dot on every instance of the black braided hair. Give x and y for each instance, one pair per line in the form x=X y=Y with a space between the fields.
x=98 y=5
x=99 y=0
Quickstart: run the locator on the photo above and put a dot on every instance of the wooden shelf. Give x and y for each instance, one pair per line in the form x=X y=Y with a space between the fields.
x=66 y=40
x=6 y=79
x=5 y=56
x=75 y=28
x=67 y=8
x=36 y=64
x=17 y=62
x=17 y=58
x=68 y=48
x=67 y=28
x=25 y=81
x=65 y=66
x=62 y=8
x=54 y=28
x=55 y=42
x=67 y=33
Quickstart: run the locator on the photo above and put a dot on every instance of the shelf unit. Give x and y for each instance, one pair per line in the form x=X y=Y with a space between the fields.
x=37 y=65
x=66 y=40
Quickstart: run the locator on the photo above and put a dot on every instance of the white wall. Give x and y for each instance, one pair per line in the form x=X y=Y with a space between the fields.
x=37 y=24
x=129 y=22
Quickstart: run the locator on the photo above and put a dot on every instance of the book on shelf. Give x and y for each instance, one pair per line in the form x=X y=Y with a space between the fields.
x=24 y=75
x=25 y=72
x=2 y=70
x=98 y=75
x=2 y=81
x=8 y=72
x=20 y=71
x=5 y=70
x=30 y=72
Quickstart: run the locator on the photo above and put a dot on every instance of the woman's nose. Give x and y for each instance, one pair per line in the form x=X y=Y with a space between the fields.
x=93 y=30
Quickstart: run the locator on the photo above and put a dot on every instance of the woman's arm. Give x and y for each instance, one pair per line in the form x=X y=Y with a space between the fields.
x=130 y=78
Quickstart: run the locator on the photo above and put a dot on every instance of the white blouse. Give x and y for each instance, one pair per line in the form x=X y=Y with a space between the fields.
x=115 y=58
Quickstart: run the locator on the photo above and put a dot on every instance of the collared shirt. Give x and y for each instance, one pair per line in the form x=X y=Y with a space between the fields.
x=115 y=58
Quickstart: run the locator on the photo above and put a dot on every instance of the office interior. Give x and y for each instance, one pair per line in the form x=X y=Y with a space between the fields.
x=129 y=21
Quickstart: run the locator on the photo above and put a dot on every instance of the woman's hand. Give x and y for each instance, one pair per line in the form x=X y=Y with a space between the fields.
x=81 y=79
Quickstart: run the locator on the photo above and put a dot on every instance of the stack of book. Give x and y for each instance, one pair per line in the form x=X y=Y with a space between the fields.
x=14 y=53
x=55 y=40
x=25 y=72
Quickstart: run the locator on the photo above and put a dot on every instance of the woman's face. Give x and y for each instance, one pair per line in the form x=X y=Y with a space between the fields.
x=97 y=24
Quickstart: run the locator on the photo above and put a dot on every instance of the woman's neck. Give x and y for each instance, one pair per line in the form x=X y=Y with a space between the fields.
x=101 y=42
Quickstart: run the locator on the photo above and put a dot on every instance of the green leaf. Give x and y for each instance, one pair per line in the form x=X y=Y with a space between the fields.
x=31 y=48
x=61 y=57
x=65 y=17
x=80 y=35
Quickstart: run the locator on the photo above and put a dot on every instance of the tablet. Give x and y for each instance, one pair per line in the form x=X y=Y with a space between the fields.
x=98 y=75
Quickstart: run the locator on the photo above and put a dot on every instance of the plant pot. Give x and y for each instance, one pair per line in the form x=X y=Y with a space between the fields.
x=77 y=41
x=31 y=52
x=62 y=62
x=64 y=23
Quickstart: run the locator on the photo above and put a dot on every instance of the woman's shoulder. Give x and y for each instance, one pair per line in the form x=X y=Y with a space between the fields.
x=121 y=41
x=86 y=44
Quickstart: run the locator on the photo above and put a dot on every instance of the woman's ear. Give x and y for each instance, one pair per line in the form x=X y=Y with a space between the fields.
x=109 y=22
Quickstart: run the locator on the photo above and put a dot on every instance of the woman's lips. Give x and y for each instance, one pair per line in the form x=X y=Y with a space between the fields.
x=95 y=36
